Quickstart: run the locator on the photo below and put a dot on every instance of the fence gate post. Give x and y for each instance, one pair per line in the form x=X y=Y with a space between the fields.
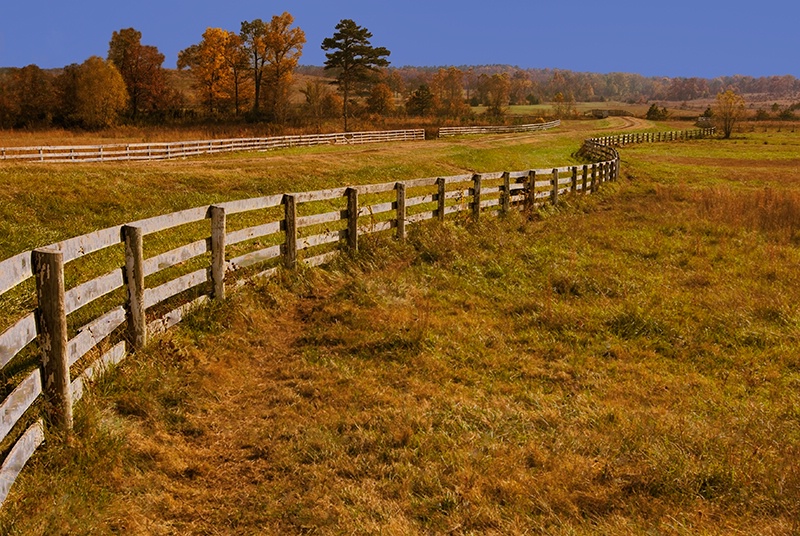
x=290 y=223
x=218 y=228
x=476 y=197
x=440 y=183
x=134 y=278
x=51 y=315
x=401 y=210
x=352 y=219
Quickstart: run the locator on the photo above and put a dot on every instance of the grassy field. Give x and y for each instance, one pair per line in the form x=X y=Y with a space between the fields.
x=624 y=364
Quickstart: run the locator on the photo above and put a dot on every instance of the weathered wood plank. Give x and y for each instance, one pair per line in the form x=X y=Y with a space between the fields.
x=19 y=456
x=366 y=189
x=492 y=176
x=377 y=227
x=175 y=316
x=490 y=203
x=491 y=190
x=318 y=219
x=254 y=257
x=419 y=183
x=235 y=237
x=246 y=205
x=518 y=175
x=453 y=208
x=376 y=209
x=320 y=239
x=168 y=221
x=176 y=256
x=93 y=333
x=412 y=201
x=16 y=338
x=83 y=294
x=15 y=270
x=18 y=402
x=153 y=296
x=320 y=195
x=79 y=246
x=421 y=216
x=459 y=194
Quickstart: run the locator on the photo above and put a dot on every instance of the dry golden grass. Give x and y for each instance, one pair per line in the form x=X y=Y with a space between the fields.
x=625 y=364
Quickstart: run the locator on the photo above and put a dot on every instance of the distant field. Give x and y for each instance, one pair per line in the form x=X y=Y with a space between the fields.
x=626 y=363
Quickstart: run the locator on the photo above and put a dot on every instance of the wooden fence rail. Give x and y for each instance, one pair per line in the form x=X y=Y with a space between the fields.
x=162 y=151
x=175 y=262
x=457 y=131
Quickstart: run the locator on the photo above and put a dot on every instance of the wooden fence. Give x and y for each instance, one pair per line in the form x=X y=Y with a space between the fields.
x=620 y=140
x=75 y=307
x=163 y=151
x=457 y=131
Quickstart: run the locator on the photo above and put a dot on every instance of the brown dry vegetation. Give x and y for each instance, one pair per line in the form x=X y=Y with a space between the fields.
x=625 y=364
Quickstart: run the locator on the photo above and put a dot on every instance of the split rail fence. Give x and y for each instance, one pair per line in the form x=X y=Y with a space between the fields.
x=71 y=309
x=163 y=151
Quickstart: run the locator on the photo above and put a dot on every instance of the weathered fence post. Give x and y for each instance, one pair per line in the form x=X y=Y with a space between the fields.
x=584 y=178
x=352 y=219
x=401 y=210
x=134 y=278
x=218 y=228
x=440 y=183
x=48 y=266
x=554 y=194
x=594 y=178
x=290 y=225
x=574 y=185
x=506 y=195
x=476 y=197
x=530 y=200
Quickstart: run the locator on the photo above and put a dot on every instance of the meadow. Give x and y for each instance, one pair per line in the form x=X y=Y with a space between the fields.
x=625 y=363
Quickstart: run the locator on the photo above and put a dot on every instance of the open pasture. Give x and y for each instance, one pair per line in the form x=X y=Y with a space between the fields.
x=625 y=363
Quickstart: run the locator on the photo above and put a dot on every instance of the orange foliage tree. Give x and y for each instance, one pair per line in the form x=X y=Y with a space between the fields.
x=284 y=45
x=141 y=69
x=209 y=63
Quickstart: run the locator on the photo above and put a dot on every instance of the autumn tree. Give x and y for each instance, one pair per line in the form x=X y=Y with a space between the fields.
x=207 y=63
x=447 y=87
x=521 y=86
x=497 y=89
x=283 y=47
x=381 y=99
x=321 y=102
x=420 y=102
x=27 y=98
x=141 y=69
x=254 y=41
x=353 y=58
x=93 y=94
x=728 y=110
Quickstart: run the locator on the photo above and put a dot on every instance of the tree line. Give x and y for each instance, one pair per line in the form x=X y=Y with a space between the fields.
x=251 y=75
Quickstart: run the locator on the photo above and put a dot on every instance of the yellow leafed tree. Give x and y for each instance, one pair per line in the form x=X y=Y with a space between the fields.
x=284 y=46
x=211 y=65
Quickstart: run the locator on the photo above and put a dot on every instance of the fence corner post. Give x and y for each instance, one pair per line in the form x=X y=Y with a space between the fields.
x=218 y=229
x=352 y=219
x=51 y=318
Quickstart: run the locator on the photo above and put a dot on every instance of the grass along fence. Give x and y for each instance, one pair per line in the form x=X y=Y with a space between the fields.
x=163 y=150
x=457 y=131
x=75 y=307
x=620 y=140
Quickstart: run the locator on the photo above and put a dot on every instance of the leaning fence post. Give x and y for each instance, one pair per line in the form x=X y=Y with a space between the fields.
x=440 y=183
x=476 y=197
x=134 y=278
x=352 y=219
x=401 y=210
x=51 y=316
x=290 y=225
x=218 y=227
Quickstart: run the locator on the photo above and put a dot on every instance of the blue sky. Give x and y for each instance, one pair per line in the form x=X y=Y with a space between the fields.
x=705 y=38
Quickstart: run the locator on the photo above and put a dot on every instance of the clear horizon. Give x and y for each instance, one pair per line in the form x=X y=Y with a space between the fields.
x=686 y=40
